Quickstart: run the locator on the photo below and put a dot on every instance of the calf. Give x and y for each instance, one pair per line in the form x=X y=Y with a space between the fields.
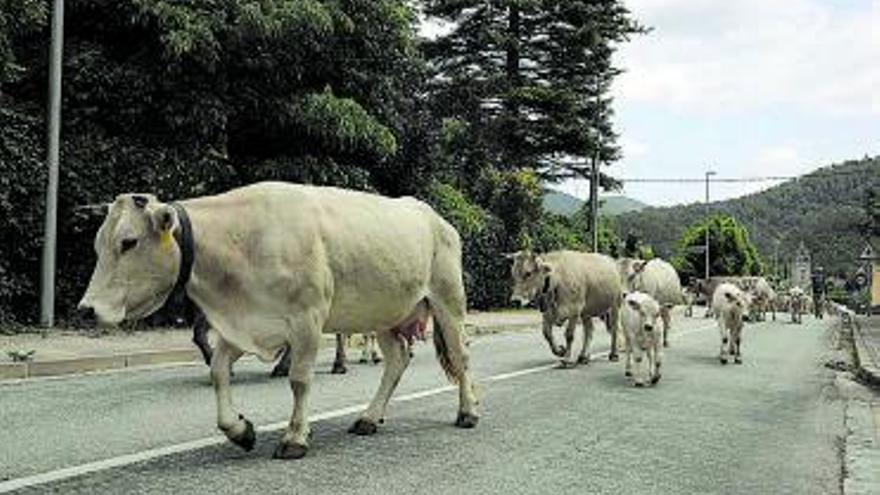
x=639 y=317
x=657 y=278
x=730 y=305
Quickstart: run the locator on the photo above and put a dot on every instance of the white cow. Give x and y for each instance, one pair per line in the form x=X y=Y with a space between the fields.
x=657 y=278
x=797 y=304
x=639 y=317
x=569 y=286
x=730 y=305
x=277 y=264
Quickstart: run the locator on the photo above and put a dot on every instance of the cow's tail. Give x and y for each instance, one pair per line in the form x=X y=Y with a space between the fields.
x=451 y=360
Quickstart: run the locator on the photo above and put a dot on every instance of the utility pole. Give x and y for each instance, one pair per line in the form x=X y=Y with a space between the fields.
x=47 y=288
x=594 y=178
x=708 y=224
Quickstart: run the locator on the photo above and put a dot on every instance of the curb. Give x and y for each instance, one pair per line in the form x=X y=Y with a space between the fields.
x=86 y=364
x=35 y=369
x=868 y=371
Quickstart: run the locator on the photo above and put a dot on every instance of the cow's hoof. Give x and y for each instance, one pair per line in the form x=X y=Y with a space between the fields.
x=363 y=360
x=628 y=374
x=723 y=360
x=290 y=451
x=339 y=369
x=655 y=379
x=248 y=438
x=639 y=384
x=583 y=359
x=613 y=357
x=665 y=344
x=363 y=427
x=466 y=420
x=738 y=360
x=567 y=365
x=377 y=359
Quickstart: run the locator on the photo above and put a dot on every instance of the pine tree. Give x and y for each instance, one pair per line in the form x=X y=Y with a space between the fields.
x=530 y=79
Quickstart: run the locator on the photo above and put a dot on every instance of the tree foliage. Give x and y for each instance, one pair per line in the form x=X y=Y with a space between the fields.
x=530 y=80
x=730 y=250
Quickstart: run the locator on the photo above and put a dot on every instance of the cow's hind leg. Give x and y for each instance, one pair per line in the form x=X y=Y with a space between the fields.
x=396 y=361
x=613 y=326
x=237 y=429
x=453 y=355
x=307 y=331
x=339 y=361
x=667 y=323
x=722 y=328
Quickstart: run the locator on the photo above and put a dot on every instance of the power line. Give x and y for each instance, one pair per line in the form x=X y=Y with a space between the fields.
x=765 y=178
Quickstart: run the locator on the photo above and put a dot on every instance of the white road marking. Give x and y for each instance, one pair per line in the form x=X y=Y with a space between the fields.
x=146 y=455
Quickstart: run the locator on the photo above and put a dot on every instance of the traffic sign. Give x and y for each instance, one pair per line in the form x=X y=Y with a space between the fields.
x=868 y=254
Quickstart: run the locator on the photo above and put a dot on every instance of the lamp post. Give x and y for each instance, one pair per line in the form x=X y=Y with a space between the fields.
x=47 y=285
x=708 y=225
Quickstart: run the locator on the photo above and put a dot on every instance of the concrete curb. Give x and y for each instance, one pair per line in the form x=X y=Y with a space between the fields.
x=868 y=366
x=9 y=371
x=86 y=364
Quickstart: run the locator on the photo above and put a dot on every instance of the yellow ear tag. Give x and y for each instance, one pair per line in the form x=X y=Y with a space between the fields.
x=165 y=239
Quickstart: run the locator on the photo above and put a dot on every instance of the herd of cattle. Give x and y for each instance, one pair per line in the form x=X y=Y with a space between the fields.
x=272 y=266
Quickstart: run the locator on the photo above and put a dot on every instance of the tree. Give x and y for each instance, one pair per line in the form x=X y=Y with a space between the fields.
x=192 y=98
x=730 y=250
x=529 y=79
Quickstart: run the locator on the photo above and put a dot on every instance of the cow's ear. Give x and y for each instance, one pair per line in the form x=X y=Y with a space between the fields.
x=730 y=297
x=544 y=267
x=638 y=267
x=163 y=218
x=634 y=304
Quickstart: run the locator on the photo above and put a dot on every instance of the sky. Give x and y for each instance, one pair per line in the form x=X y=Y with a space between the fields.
x=744 y=88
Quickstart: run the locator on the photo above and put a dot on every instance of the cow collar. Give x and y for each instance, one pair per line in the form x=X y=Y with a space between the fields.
x=184 y=238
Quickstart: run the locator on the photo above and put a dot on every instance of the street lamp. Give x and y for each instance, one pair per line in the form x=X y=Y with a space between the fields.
x=708 y=224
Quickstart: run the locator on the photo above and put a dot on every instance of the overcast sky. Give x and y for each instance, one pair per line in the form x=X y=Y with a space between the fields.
x=746 y=87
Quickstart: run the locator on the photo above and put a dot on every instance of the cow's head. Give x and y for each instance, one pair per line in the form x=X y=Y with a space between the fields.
x=138 y=260
x=531 y=276
x=646 y=309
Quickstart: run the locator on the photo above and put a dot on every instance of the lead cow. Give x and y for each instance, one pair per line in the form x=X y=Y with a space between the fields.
x=277 y=264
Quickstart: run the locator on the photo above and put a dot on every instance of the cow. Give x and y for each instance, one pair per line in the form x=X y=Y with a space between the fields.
x=657 y=278
x=369 y=353
x=730 y=305
x=569 y=286
x=763 y=299
x=639 y=317
x=797 y=304
x=275 y=264
x=689 y=300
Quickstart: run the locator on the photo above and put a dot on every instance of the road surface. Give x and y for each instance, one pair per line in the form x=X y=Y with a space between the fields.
x=771 y=425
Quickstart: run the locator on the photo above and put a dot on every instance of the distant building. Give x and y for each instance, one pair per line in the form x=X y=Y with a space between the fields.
x=801 y=268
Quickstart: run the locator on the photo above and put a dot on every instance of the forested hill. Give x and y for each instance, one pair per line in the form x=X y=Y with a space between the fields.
x=824 y=209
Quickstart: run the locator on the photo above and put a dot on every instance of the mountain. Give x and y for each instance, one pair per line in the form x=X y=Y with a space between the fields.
x=565 y=204
x=823 y=209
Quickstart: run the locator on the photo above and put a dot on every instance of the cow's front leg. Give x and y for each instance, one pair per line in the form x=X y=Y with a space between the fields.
x=628 y=348
x=396 y=361
x=587 y=322
x=558 y=351
x=568 y=361
x=735 y=340
x=294 y=443
x=639 y=358
x=237 y=429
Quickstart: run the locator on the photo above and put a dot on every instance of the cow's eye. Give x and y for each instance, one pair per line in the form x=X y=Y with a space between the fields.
x=128 y=245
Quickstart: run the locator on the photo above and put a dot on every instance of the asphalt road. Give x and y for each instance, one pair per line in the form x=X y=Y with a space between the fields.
x=770 y=426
